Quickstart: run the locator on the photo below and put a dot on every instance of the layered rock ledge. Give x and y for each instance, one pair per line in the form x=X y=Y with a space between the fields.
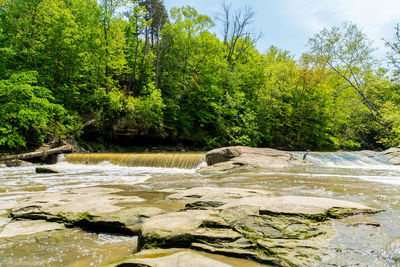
x=251 y=224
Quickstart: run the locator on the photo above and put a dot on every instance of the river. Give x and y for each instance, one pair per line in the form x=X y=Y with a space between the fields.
x=362 y=177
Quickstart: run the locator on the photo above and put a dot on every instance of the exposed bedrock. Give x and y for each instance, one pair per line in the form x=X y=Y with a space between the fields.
x=241 y=223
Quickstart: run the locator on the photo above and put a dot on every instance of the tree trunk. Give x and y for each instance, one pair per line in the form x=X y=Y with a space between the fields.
x=146 y=45
x=133 y=77
x=36 y=154
x=158 y=56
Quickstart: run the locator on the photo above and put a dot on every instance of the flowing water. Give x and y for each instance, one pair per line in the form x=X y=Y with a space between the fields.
x=363 y=177
x=162 y=160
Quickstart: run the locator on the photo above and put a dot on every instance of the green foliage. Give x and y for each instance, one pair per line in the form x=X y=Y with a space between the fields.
x=147 y=112
x=139 y=74
x=27 y=115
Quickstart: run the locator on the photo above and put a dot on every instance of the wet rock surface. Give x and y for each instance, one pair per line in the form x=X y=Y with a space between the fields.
x=252 y=224
x=178 y=259
x=46 y=170
x=17 y=228
x=95 y=209
x=17 y=163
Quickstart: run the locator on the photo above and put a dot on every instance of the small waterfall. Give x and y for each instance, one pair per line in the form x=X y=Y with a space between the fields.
x=163 y=160
x=345 y=159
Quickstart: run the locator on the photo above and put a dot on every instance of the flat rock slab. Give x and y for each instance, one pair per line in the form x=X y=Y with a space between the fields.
x=96 y=208
x=28 y=227
x=95 y=200
x=300 y=205
x=168 y=258
x=210 y=197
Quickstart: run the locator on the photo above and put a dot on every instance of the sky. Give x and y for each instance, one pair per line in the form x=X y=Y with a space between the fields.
x=288 y=24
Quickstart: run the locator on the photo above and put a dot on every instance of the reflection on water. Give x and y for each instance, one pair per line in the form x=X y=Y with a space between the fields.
x=71 y=247
x=360 y=177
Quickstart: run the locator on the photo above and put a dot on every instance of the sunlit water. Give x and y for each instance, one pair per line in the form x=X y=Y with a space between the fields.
x=362 y=177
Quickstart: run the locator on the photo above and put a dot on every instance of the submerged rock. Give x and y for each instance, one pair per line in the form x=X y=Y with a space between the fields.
x=28 y=227
x=17 y=163
x=170 y=257
x=46 y=170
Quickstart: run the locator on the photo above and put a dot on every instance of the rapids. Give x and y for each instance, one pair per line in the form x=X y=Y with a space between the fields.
x=363 y=177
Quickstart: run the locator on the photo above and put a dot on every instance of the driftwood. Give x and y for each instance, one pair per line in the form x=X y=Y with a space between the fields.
x=36 y=154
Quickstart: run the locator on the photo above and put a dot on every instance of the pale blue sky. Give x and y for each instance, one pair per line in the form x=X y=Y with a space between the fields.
x=288 y=24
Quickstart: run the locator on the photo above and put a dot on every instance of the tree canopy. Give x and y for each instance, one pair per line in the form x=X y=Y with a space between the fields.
x=129 y=72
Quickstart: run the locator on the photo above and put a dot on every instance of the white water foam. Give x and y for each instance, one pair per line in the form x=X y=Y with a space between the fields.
x=367 y=159
x=16 y=182
x=363 y=165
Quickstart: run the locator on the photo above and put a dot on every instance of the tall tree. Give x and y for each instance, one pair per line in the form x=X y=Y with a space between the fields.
x=394 y=54
x=347 y=51
x=109 y=12
x=157 y=16
x=136 y=28
x=237 y=34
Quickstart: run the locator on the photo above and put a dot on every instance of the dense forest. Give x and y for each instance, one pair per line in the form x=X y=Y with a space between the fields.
x=129 y=72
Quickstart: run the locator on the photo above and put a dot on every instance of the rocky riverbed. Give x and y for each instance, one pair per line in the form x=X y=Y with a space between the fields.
x=234 y=212
x=241 y=223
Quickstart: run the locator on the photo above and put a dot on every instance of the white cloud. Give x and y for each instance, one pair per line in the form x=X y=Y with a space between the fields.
x=376 y=18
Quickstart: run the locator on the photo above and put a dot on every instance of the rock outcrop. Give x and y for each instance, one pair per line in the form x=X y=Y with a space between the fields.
x=222 y=154
x=283 y=231
x=228 y=158
x=393 y=154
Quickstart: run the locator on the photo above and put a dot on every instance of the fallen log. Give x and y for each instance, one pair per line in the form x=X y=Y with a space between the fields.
x=36 y=154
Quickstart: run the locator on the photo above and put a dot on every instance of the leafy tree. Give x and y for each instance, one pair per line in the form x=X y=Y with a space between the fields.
x=347 y=51
x=394 y=54
x=293 y=104
x=109 y=17
x=27 y=115
x=134 y=29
